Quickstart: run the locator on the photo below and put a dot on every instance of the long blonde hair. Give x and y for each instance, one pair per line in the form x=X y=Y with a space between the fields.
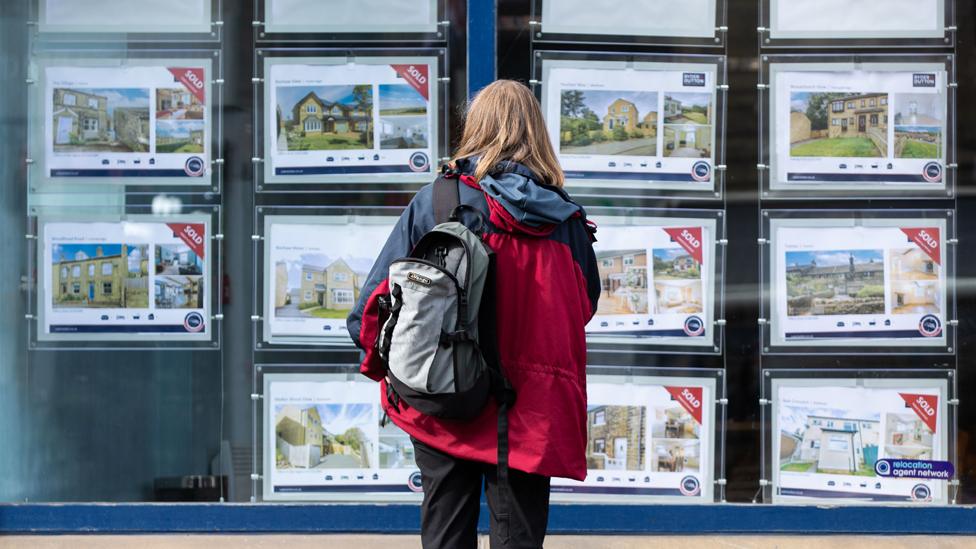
x=504 y=122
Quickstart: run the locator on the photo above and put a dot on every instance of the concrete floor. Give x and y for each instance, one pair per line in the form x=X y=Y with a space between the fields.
x=411 y=542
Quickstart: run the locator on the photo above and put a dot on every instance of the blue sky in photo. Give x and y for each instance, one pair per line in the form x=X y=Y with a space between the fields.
x=400 y=96
x=832 y=258
x=177 y=128
x=288 y=96
x=799 y=101
x=118 y=97
x=73 y=252
x=599 y=101
x=668 y=254
x=794 y=418
x=691 y=99
x=337 y=418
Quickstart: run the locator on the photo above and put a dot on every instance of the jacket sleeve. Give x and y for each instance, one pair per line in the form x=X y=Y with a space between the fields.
x=363 y=321
x=581 y=243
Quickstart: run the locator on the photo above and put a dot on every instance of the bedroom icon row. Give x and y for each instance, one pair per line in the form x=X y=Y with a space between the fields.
x=624 y=125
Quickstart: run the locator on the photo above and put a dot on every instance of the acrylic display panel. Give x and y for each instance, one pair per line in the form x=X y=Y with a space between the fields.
x=322 y=440
x=347 y=19
x=660 y=281
x=335 y=116
x=641 y=21
x=842 y=23
x=852 y=282
x=650 y=439
x=141 y=120
x=827 y=432
x=115 y=279
x=866 y=126
x=94 y=19
x=314 y=270
x=636 y=125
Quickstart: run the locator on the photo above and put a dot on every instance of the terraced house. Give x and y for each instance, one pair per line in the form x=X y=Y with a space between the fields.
x=79 y=116
x=84 y=281
x=860 y=115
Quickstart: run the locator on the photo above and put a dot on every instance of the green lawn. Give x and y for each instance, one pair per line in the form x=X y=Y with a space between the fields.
x=866 y=472
x=326 y=142
x=918 y=149
x=179 y=147
x=842 y=147
x=696 y=117
x=797 y=466
x=322 y=312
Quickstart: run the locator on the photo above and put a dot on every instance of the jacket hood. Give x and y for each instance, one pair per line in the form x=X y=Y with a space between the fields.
x=518 y=202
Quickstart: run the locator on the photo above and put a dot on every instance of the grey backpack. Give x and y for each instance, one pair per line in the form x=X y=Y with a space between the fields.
x=437 y=337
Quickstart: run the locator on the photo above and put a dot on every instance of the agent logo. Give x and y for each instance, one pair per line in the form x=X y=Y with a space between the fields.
x=414 y=482
x=921 y=492
x=693 y=79
x=419 y=162
x=701 y=171
x=882 y=468
x=193 y=322
x=694 y=326
x=930 y=326
x=194 y=166
x=689 y=486
x=932 y=172
x=923 y=80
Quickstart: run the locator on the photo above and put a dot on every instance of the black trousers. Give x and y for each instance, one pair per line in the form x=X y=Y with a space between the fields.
x=452 y=500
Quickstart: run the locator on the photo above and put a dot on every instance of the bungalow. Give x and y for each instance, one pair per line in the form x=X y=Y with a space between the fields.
x=838 y=444
x=313 y=115
x=79 y=116
x=859 y=115
x=333 y=287
x=299 y=436
x=615 y=437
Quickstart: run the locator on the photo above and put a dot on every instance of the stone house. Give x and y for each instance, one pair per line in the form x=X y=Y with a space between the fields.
x=79 y=116
x=92 y=281
x=132 y=127
x=333 y=287
x=616 y=437
x=858 y=115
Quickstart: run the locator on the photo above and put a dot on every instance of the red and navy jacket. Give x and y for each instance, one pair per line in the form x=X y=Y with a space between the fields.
x=547 y=290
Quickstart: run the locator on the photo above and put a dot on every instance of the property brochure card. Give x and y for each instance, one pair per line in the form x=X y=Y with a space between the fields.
x=135 y=120
x=862 y=19
x=125 y=16
x=691 y=18
x=651 y=126
x=324 y=440
x=828 y=434
x=114 y=280
x=646 y=437
x=657 y=281
x=877 y=282
x=369 y=119
x=315 y=268
x=841 y=128
x=351 y=16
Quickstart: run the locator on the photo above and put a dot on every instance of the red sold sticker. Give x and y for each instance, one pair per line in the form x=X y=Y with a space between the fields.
x=193 y=80
x=690 y=399
x=192 y=234
x=926 y=238
x=690 y=238
x=926 y=406
x=416 y=76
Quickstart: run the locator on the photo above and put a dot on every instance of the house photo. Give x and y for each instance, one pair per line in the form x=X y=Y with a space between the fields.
x=688 y=108
x=323 y=436
x=307 y=289
x=608 y=122
x=835 y=282
x=616 y=437
x=100 y=276
x=828 y=124
x=178 y=292
x=322 y=118
x=813 y=442
x=675 y=264
x=179 y=136
x=177 y=104
x=906 y=436
x=623 y=281
x=919 y=118
x=100 y=120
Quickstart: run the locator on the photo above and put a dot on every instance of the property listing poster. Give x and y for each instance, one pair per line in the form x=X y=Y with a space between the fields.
x=646 y=438
x=324 y=440
x=351 y=16
x=315 y=268
x=881 y=282
x=829 y=434
x=143 y=119
x=370 y=119
x=657 y=281
x=838 y=128
x=692 y=18
x=648 y=127
x=113 y=280
x=125 y=16
x=862 y=19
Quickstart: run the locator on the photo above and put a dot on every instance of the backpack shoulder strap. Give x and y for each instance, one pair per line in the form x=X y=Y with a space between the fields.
x=447 y=197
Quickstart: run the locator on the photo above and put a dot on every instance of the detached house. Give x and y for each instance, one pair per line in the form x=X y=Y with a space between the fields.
x=79 y=116
x=621 y=113
x=333 y=287
x=859 y=115
x=313 y=115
